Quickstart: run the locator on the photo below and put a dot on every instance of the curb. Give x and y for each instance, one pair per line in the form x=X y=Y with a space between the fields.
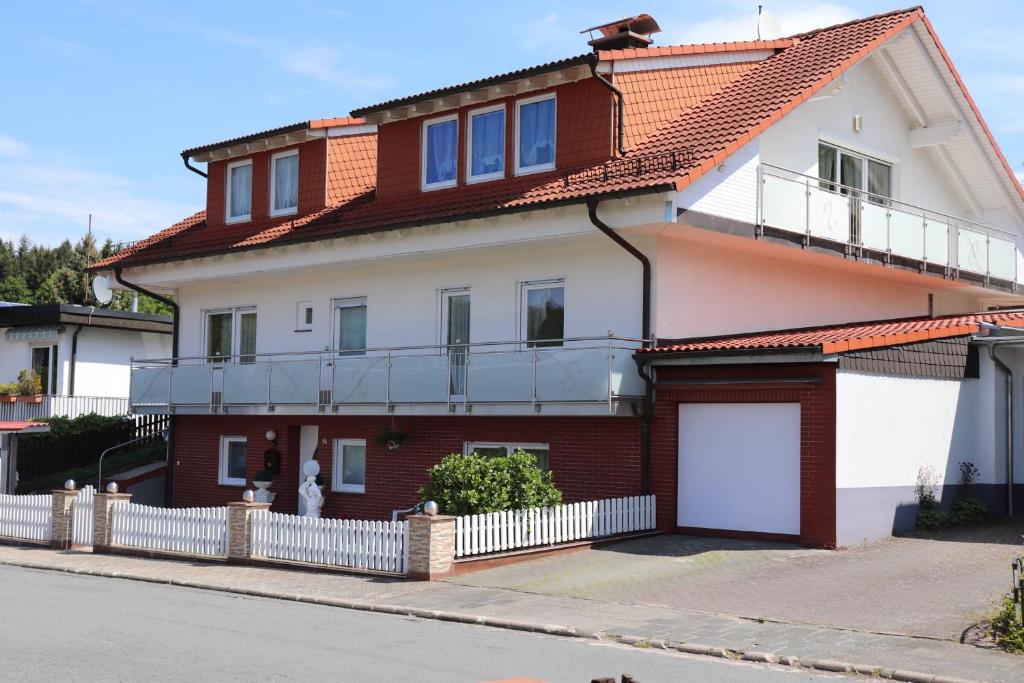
x=791 y=661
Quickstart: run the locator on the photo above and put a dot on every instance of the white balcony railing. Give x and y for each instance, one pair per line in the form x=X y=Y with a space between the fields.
x=591 y=371
x=820 y=208
x=65 y=406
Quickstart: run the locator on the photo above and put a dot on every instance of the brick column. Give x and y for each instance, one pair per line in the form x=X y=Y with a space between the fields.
x=103 y=504
x=61 y=519
x=431 y=546
x=240 y=529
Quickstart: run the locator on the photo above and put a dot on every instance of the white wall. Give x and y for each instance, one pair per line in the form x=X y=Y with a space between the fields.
x=15 y=356
x=602 y=294
x=729 y=191
x=887 y=427
x=710 y=289
x=103 y=367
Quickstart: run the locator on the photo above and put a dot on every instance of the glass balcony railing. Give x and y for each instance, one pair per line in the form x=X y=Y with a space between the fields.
x=576 y=371
x=821 y=208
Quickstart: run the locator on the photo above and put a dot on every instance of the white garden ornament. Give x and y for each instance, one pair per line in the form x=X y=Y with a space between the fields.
x=310 y=492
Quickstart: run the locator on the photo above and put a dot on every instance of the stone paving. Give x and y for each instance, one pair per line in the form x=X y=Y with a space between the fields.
x=583 y=616
x=912 y=586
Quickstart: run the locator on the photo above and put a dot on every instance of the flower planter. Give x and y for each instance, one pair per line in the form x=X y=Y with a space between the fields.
x=38 y=398
x=8 y=398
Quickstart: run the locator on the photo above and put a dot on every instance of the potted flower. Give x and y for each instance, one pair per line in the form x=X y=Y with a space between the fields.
x=8 y=392
x=391 y=438
x=262 y=481
x=30 y=387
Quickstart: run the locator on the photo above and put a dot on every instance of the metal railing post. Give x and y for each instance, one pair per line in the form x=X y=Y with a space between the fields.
x=387 y=384
x=609 y=376
x=807 y=209
x=535 y=362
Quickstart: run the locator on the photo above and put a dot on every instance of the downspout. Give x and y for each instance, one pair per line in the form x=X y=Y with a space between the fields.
x=175 y=312
x=620 y=105
x=1009 y=425
x=189 y=166
x=648 y=410
x=74 y=361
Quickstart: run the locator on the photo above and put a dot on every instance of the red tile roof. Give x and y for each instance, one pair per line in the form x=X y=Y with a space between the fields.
x=273 y=132
x=841 y=338
x=695 y=49
x=710 y=111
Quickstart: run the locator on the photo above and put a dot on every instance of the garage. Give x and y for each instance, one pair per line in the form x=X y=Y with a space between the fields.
x=739 y=467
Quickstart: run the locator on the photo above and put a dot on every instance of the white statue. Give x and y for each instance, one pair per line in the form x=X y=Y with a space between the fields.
x=310 y=492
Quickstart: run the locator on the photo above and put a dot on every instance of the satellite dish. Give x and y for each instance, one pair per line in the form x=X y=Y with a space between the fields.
x=768 y=26
x=101 y=289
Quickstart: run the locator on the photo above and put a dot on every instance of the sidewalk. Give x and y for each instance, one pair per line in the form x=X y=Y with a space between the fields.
x=559 y=615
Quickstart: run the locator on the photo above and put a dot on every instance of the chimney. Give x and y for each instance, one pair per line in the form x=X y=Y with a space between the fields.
x=627 y=32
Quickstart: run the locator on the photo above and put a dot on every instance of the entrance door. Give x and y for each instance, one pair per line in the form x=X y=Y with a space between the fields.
x=455 y=335
x=44 y=363
x=739 y=467
x=309 y=439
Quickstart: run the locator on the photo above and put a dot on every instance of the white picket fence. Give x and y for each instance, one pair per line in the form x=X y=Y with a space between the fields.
x=26 y=517
x=361 y=544
x=81 y=516
x=512 y=529
x=192 y=531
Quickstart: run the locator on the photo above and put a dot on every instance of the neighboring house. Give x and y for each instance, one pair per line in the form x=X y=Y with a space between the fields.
x=476 y=268
x=81 y=354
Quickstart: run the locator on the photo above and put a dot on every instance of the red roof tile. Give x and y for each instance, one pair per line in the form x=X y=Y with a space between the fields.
x=848 y=337
x=695 y=49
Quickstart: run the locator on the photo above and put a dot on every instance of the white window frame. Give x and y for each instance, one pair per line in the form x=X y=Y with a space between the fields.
x=865 y=158
x=469 y=447
x=519 y=170
x=348 y=302
x=337 y=467
x=524 y=288
x=223 y=478
x=228 y=218
x=424 y=186
x=236 y=326
x=273 y=185
x=300 y=316
x=52 y=353
x=484 y=177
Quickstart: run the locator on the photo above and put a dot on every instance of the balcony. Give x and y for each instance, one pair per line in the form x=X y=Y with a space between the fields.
x=582 y=376
x=825 y=214
x=47 y=406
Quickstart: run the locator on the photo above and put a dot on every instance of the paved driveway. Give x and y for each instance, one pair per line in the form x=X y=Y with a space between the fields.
x=933 y=587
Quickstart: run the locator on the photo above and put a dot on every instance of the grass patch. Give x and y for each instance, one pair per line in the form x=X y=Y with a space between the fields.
x=1006 y=628
x=115 y=463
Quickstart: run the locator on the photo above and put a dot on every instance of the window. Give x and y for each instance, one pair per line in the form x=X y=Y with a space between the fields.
x=44 y=363
x=304 y=316
x=239 y=200
x=231 y=332
x=440 y=152
x=455 y=336
x=284 y=183
x=535 y=134
x=350 y=326
x=234 y=454
x=854 y=173
x=491 y=450
x=485 y=146
x=543 y=313
x=348 y=472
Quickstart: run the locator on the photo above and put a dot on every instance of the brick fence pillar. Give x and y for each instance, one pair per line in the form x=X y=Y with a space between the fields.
x=240 y=529
x=102 y=518
x=431 y=546
x=61 y=531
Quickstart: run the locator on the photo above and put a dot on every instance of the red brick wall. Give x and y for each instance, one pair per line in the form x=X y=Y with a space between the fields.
x=771 y=383
x=584 y=134
x=595 y=457
x=312 y=183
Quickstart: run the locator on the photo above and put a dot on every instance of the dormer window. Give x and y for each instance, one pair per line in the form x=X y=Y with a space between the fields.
x=535 y=134
x=284 y=183
x=239 y=200
x=440 y=152
x=485 y=147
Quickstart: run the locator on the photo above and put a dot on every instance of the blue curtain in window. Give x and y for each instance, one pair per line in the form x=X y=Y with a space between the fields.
x=537 y=133
x=442 y=139
x=488 y=153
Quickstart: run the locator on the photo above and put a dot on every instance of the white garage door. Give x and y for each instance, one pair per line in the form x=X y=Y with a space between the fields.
x=739 y=466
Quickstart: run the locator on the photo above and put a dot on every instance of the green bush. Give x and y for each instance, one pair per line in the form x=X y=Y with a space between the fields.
x=9 y=389
x=29 y=383
x=474 y=484
x=967 y=508
x=85 y=424
x=929 y=517
x=1006 y=628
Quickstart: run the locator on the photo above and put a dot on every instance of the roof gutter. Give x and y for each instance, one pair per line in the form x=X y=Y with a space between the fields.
x=185 y=156
x=647 y=413
x=620 y=105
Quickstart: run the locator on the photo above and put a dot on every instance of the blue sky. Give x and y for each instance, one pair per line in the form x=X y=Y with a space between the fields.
x=100 y=96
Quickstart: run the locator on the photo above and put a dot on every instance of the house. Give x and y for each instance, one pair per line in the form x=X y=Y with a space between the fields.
x=768 y=281
x=81 y=354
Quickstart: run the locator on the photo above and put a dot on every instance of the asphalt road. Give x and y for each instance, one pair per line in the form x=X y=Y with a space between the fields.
x=67 y=627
